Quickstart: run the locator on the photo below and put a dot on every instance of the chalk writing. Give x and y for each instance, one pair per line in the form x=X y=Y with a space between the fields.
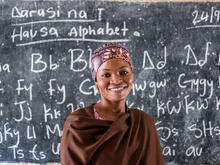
x=151 y=65
x=9 y=133
x=45 y=73
x=1 y=89
x=17 y=152
x=187 y=105
x=53 y=130
x=194 y=151
x=211 y=16
x=87 y=90
x=4 y=68
x=52 y=114
x=153 y=85
x=168 y=151
x=205 y=19
x=31 y=134
x=22 y=88
x=206 y=130
x=203 y=87
x=31 y=34
x=25 y=112
x=37 y=155
x=58 y=89
x=192 y=59
x=75 y=33
x=50 y=12
x=38 y=65
x=166 y=132
x=1 y=111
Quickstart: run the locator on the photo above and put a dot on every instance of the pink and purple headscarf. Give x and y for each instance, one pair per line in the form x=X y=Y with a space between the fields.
x=107 y=52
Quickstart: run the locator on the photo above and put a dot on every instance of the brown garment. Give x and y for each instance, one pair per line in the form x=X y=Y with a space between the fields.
x=130 y=140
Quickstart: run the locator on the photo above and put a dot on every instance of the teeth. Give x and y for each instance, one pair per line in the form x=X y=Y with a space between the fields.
x=116 y=89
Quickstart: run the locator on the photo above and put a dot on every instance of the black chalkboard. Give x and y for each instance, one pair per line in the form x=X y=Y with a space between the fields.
x=45 y=49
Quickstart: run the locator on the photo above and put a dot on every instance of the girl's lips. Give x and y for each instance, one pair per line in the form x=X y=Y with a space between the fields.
x=117 y=88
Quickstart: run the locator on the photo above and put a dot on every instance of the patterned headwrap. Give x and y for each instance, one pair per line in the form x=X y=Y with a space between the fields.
x=107 y=52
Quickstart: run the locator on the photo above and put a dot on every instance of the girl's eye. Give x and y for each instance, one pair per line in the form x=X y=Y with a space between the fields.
x=123 y=73
x=106 y=75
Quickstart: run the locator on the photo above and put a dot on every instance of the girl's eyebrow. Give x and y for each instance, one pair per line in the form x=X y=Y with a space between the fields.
x=119 y=68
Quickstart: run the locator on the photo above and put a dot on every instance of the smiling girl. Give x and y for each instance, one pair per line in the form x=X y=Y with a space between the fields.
x=108 y=132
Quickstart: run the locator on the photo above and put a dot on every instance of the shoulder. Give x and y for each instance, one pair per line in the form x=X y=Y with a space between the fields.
x=143 y=116
x=80 y=113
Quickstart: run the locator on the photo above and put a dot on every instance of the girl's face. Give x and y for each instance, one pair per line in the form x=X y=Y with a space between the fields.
x=114 y=80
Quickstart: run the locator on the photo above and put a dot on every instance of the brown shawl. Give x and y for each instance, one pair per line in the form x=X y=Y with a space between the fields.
x=130 y=140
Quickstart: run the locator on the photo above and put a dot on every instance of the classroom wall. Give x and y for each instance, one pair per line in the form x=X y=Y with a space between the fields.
x=46 y=76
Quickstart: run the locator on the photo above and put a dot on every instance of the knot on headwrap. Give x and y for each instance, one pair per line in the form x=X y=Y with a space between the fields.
x=106 y=52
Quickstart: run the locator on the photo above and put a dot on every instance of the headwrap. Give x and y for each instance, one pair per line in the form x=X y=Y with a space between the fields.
x=106 y=52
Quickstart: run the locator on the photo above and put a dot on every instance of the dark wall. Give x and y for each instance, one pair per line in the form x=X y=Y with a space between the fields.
x=45 y=49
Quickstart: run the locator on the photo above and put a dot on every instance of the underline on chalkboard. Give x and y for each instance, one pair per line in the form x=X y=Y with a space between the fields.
x=203 y=26
x=71 y=39
x=55 y=21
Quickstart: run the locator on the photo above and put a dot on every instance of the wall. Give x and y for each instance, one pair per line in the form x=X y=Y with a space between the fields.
x=45 y=72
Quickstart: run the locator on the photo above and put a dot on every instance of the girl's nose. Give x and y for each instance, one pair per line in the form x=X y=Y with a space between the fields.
x=116 y=79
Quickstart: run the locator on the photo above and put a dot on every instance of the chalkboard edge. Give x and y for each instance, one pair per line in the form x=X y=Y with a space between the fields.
x=138 y=1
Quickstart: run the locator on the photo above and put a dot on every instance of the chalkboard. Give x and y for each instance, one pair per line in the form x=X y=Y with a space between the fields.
x=45 y=47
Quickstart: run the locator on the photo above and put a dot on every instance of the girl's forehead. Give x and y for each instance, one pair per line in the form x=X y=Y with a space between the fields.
x=114 y=64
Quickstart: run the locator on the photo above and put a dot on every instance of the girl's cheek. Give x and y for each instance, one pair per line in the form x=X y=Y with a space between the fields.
x=130 y=79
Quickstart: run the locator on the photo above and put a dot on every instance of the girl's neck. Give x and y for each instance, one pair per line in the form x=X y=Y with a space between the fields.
x=115 y=107
x=109 y=110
